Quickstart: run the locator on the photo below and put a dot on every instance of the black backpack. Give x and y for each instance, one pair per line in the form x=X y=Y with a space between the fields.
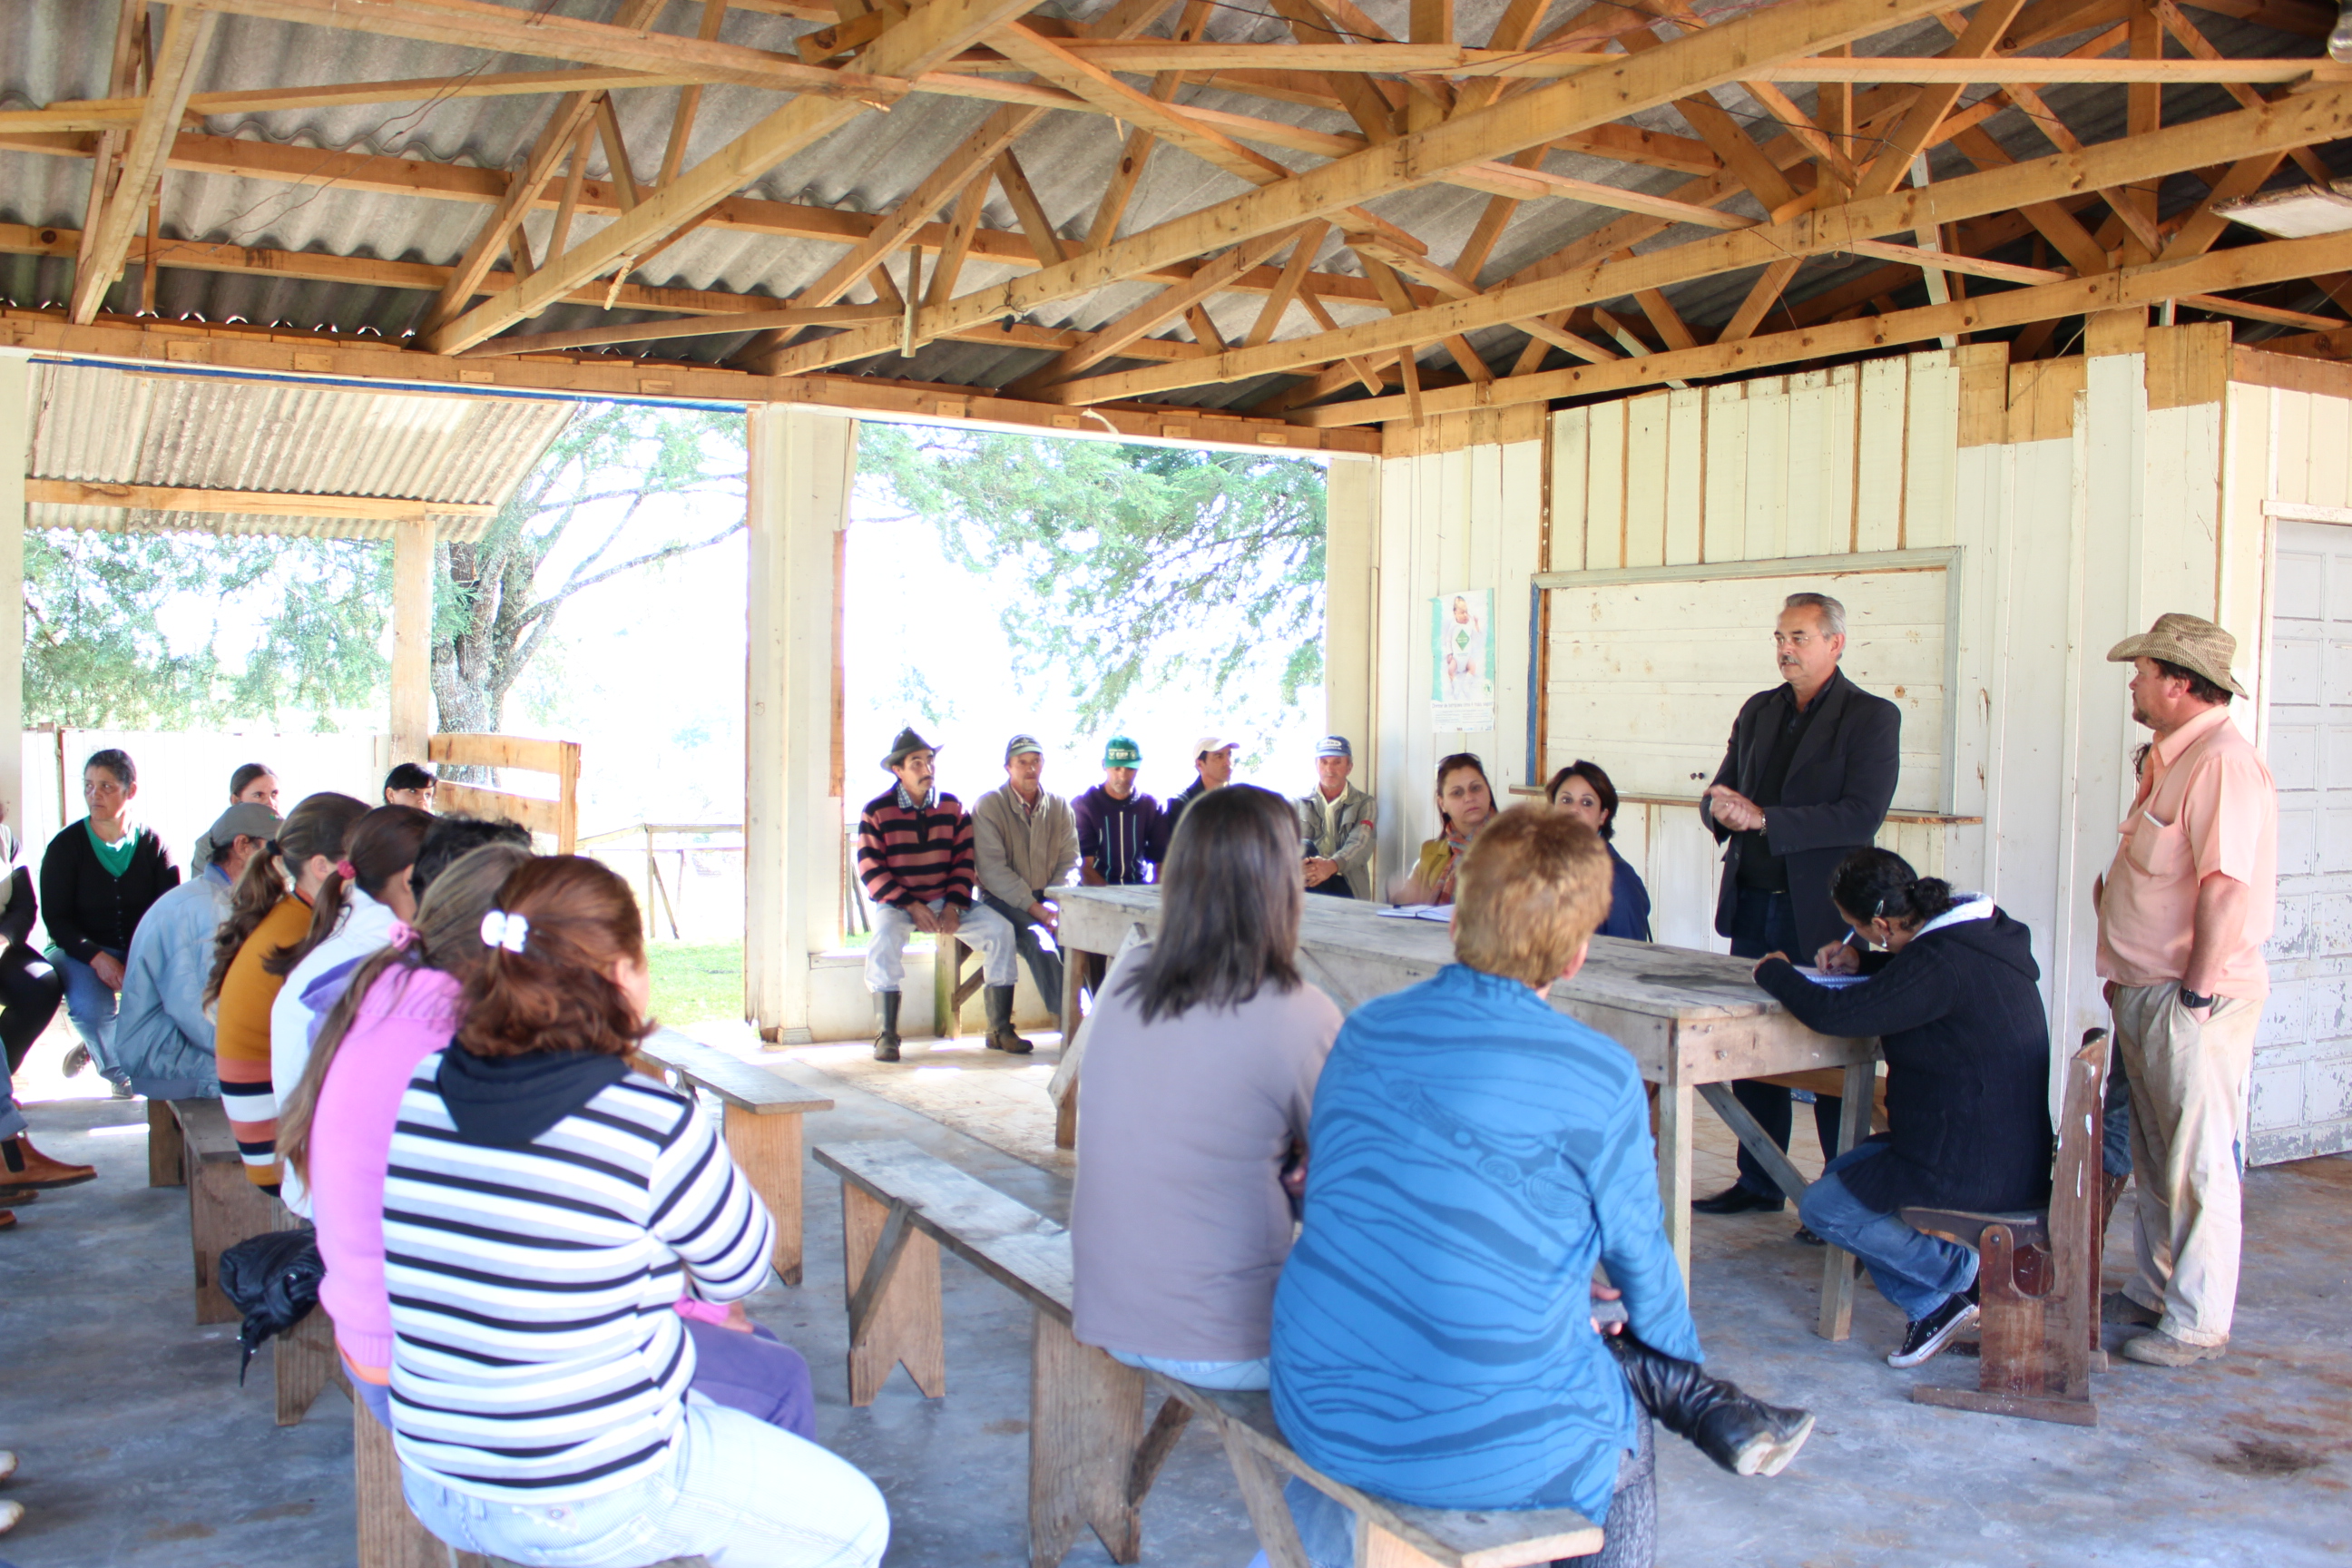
x=273 y=1279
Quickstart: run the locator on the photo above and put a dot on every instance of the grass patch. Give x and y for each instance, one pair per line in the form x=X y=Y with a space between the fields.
x=695 y=982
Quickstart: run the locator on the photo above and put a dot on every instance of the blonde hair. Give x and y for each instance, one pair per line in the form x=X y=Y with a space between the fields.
x=1532 y=887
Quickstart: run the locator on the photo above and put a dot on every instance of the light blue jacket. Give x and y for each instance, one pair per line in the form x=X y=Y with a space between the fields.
x=162 y=1037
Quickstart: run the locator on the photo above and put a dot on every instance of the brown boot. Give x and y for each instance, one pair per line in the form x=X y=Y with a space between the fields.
x=28 y=1167
x=7 y=1219
x=15 y=1196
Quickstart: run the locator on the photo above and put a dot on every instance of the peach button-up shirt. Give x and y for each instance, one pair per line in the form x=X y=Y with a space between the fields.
x=2206 y=806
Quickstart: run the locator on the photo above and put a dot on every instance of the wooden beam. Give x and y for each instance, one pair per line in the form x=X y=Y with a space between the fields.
x=558 y=139
x=1913 y=136
x=2204 y=225
x=262 y=503
x=689 y=100
x=1293 y=273
x=1013 y=181
x=686 y=327
x=1153 y=313
x=2247 y=266
x=2296 y=121
x=2197 y=44
x=168 y=85
x=931 y=33
x=546 y=34
x=1603 y=94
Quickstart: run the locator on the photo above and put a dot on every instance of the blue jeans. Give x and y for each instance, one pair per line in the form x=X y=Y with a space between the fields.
x=1327 y=1529
x=736 y=1489
x=12 y=1120
x=1916 y=1271
x=90 y=1002
x=1762 y=923
x=2115 y=1120
x=1220 y=1375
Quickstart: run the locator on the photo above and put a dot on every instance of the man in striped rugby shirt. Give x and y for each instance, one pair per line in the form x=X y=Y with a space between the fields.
x=915 y=857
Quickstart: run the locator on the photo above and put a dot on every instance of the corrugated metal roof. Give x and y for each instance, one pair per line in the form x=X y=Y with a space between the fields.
x=869 y=165
x=105 y=425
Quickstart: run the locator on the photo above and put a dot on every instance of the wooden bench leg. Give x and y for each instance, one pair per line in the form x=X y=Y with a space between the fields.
x=1676 y=1107
x=769 y=1150
x=1261 y=1484
x=390 y=1536
x=1838 y=1263
x=167 y=1150
x=2020 y=1370
x=1087 y=1447
x=892 y=1275
x=224 y=1208
x=304 y=1361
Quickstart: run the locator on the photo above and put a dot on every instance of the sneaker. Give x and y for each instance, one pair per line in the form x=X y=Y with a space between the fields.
x=10 y=1512
x=76 y=1060
x=1928 y=1335
x=120 y=1089
x=2158 y=1349
x=2115 y=1306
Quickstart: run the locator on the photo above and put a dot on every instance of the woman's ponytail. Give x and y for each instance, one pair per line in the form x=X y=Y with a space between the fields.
x=258 y=888
x=560 y=927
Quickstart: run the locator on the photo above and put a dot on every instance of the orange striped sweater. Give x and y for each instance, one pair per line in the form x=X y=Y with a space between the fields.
x=241 y=1038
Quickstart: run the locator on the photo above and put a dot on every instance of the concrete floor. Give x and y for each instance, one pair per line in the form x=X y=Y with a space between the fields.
x=139 y=1449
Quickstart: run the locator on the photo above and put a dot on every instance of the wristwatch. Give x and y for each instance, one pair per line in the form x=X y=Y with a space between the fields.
x=2193 y=1002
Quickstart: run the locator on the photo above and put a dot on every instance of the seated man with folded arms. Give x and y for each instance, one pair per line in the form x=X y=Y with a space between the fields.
x=1024 y=842
x=915 y=857
x=163 y=1037
x=1337 y=819
x=1474 y=1152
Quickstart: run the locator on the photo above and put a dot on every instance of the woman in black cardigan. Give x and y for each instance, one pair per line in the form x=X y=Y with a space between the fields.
x=98 y=878
x=1951 y=994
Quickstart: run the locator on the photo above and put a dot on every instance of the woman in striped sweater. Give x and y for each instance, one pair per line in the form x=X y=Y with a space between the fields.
x=544 y=1212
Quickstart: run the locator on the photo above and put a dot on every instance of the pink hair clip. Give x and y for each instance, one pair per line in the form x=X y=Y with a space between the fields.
x=401 y=935
x=347 y=871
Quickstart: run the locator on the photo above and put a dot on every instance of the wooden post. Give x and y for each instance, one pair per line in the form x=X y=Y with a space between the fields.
x=1677 y=1104
x=15 y=445
x=801 y=464
x=1351 y=554
x=412 y=638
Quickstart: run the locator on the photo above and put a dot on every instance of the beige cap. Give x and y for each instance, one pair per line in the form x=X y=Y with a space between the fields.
x=2189 y=641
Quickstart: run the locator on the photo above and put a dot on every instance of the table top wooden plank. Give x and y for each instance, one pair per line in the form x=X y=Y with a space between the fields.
x=732 y=1079
x=1002 y=1237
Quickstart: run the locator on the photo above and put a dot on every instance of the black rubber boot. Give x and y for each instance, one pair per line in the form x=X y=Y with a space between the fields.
x=1001 y=1037
x=1737 y=1431
x=886 y=1043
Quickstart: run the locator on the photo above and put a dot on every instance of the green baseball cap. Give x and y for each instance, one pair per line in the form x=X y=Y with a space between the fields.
x=1122 y=753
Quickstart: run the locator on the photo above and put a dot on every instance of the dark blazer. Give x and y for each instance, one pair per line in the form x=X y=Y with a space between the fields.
x=1835 y=796
x=1968 y=1065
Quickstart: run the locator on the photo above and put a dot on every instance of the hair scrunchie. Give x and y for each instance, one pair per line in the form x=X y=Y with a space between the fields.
x=347 y=871
x=501 y=929
x=401 y=937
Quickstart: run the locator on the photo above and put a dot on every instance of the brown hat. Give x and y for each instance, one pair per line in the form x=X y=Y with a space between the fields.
x=2187 y=641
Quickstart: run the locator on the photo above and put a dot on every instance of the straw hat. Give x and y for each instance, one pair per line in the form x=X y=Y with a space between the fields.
x=2187 y=641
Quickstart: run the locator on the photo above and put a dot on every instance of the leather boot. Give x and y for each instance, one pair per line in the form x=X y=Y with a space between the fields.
x=7 y=1219
x=1736 y=1430
x=886 y=1043
x=1001 y=1037
x=28 y=1167
x=2110 y=1189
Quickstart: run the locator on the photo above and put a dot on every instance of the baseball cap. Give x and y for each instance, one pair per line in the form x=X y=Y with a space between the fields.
x=1333 y=746
x=1207 y=743
x=247 y=818
x=1120 y=752
x=1020 y=744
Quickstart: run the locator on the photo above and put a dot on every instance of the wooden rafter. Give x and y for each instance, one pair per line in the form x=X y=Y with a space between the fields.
x=257 y=503
x=168 y=84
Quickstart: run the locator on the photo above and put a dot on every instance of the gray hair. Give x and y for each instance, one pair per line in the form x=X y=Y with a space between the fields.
x=1832 y=613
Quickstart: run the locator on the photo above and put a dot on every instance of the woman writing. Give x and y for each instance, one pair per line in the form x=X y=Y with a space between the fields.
x=1464 y=802
x=268 y=915
x=1951 y=996
x=1582 y=791
x=1200 y=1065
x=540 y=1372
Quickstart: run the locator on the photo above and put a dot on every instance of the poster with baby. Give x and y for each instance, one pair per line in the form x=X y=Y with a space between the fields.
x=1462 y=661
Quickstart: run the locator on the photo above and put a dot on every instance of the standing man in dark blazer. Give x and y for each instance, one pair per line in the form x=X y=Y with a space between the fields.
x=1806 y=781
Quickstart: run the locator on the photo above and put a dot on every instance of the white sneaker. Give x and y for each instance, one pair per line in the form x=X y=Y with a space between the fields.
x=10 y=1512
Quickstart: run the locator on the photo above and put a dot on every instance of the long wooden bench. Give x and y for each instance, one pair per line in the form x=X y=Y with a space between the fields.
x=224 y=1209
x=764 y=1125
x=1093 y=1455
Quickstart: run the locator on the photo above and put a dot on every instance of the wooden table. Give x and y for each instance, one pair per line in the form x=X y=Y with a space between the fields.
x=1693 y=1022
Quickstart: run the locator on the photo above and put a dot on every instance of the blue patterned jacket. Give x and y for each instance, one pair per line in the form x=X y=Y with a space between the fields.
x=1473 y=1153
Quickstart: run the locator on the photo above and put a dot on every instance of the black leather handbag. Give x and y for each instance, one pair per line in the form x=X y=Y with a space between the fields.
x=273 y=1279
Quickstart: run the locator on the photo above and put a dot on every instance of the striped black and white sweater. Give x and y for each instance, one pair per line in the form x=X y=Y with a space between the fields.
x=535 y=1253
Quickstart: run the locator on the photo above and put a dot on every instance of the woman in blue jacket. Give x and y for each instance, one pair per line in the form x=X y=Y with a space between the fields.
x=1582 y=791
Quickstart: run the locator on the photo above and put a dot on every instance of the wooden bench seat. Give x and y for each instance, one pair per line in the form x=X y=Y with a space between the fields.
x=764 y=1125
x=1093 y=1455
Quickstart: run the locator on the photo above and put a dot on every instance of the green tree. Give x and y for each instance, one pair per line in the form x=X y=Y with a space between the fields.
x=492 y=612
x=1140 y=561
x=97 y=652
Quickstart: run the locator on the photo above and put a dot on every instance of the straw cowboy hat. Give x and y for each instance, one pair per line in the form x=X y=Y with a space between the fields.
x=2187 y=641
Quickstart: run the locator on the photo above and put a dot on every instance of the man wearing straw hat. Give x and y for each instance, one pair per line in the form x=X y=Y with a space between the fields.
x=2183 y=912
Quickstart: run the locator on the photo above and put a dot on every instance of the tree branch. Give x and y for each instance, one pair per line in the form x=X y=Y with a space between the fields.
x=646 y=559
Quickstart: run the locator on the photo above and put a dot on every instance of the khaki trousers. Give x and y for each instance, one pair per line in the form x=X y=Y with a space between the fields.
x=2188 y=1131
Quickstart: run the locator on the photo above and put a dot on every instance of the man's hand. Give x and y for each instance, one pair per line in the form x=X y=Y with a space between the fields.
x=1090 y=877
x=1838 y=958
x=109 y=970
x=949 y=918
x=925 y=921
x=1733 y=809
x=1047 y=915
x=1320 y=870
x=1606 y=1293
